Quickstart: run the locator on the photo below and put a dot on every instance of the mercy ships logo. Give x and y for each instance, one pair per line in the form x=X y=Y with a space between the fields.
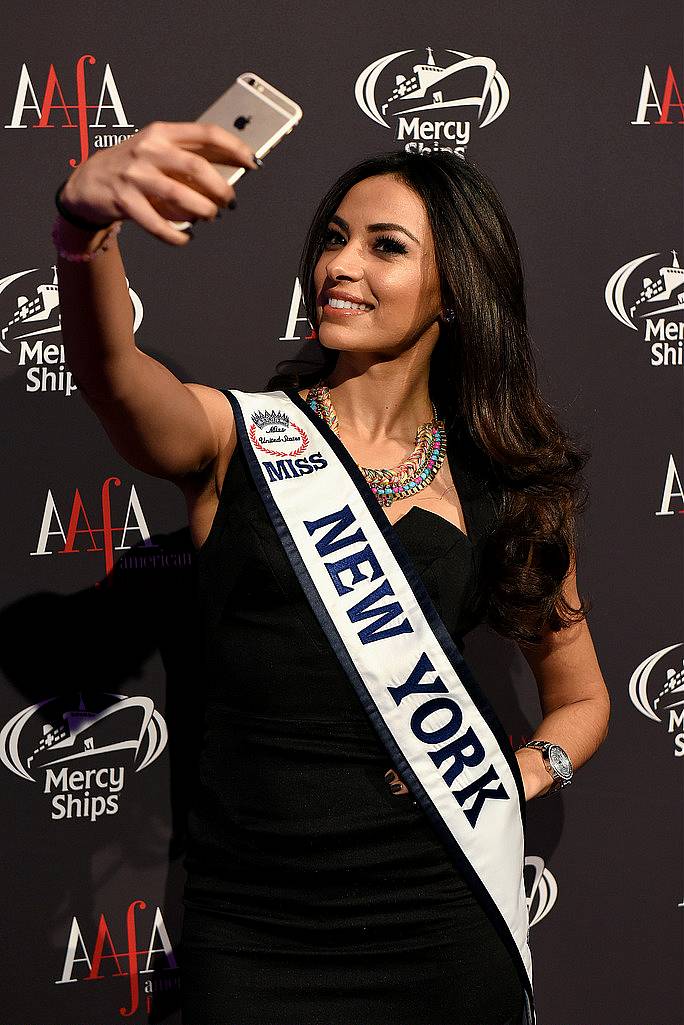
x=667 y=704
x=80 y=755
x=658 y=305
x=25 y=325
x=418 y=103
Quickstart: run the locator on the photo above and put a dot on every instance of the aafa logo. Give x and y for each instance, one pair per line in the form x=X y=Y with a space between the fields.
x=666 y=705
x=658 y=304
x=80 y=754
x=28 y=112
x=104 y=961
x=73 y=532
x=651 y=102
x=672 y=489
x=420 y=95
x=294 y=317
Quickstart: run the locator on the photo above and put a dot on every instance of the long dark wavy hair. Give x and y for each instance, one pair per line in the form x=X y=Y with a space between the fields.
x=483 y=380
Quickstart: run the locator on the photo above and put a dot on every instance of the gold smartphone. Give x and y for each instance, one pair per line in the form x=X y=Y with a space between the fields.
x=258 y=113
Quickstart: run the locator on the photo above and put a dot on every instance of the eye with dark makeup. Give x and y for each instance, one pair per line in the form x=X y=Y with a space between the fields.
x=395 y=246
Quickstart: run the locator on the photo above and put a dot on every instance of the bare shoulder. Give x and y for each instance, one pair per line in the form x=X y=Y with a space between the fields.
x=204 y=485
x=215 y=404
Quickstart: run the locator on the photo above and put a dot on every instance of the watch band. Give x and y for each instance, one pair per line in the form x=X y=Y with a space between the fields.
x=559 y=781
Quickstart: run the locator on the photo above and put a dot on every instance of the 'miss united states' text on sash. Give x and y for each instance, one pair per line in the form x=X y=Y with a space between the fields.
x=443 y=735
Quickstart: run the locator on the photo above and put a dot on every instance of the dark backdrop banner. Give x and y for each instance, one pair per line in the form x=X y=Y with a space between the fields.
x=576 y=111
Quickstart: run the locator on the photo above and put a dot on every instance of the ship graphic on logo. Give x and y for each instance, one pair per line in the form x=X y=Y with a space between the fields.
x=667 y=704
x=667 y=290
x=42 y=308
x=39 y=309
x=127 y=726
x=431 y=87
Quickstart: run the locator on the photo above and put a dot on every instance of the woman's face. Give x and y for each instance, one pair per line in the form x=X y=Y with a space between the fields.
x=390 y=269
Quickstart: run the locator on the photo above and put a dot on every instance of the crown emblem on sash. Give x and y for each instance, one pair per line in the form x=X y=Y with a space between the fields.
x=273 y=431
x=271 y=418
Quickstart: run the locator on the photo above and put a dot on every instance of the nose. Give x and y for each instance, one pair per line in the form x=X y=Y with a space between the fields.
x=345 y=264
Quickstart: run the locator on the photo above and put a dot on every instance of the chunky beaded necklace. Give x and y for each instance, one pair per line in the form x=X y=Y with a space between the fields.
x=414 y=473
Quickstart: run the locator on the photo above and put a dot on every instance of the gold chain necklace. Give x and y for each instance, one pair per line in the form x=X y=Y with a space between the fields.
x=414 y=472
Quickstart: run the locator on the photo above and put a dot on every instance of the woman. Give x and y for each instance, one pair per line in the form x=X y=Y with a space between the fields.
x=318 y=891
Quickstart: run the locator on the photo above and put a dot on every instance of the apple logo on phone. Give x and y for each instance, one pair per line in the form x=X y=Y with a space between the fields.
x=241 y=122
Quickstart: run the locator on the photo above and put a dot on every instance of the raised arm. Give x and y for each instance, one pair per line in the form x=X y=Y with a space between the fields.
x=157 y=423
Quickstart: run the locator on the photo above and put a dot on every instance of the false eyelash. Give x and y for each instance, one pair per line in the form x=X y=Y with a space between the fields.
x=401 y=248
x=398 y=247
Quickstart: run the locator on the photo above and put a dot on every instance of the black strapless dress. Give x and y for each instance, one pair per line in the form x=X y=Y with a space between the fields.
x=316 y=893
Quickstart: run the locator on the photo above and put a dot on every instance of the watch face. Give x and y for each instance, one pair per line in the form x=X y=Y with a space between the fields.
x=560 y=761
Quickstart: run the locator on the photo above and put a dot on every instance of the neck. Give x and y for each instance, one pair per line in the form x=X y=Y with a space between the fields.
x=378 y=403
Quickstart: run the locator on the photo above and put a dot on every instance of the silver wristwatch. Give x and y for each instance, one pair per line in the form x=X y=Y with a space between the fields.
x=556 y=761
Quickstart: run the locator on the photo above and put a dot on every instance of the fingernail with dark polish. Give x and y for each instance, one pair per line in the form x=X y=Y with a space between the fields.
x=258 y=161
x=218 y=213
x=232 y=204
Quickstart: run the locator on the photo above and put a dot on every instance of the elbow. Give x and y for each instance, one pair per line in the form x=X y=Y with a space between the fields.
x=605 y=713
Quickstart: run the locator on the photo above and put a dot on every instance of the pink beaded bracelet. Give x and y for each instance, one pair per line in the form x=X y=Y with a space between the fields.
x=73 y=257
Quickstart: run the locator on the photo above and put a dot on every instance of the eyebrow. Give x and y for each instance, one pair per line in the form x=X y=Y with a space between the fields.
x=379 y=226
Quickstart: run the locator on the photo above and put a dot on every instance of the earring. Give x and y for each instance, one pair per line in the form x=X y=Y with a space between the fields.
x=449 y=315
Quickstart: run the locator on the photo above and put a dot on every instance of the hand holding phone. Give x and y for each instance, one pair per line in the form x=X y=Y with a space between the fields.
x=166 y=170
x=182 y=169
x=255 y=112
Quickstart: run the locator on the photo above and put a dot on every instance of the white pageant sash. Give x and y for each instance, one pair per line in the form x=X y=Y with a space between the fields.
x=443 y=735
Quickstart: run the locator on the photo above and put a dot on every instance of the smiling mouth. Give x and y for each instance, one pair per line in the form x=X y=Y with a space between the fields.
x=344 y=311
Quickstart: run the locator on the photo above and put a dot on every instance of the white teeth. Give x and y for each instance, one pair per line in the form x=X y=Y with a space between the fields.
x=340 y=304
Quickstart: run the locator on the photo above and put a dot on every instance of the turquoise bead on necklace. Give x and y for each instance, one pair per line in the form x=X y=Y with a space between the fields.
x=414 y=473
